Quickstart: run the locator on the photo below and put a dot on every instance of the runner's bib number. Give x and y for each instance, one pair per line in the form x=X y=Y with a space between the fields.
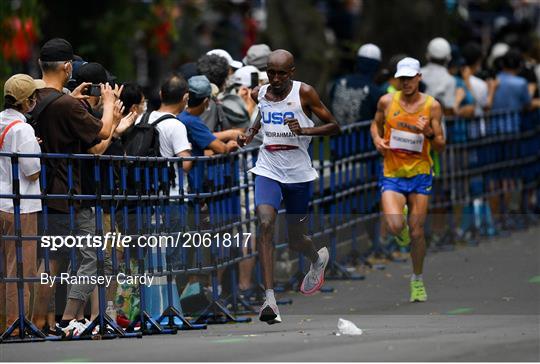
x=407 y=141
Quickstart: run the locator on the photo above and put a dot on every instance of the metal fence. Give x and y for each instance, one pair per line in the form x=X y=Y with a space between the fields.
x=206 y=226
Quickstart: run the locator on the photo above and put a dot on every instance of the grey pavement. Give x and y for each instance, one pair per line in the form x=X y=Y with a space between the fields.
x=483 y=305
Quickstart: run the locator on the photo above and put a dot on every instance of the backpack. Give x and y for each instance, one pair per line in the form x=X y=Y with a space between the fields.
x=232 y=112
x=33 y=118
x=142 y=139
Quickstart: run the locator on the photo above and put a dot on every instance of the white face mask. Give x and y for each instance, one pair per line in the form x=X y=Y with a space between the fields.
x=229 y=82
x=145 y=107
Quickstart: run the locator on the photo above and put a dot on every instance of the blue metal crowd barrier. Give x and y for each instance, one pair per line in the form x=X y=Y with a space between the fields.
x=133 y=196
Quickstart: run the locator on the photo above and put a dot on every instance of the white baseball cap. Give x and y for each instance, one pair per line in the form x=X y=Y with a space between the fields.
x=407 y=67
x=263 y=78
x=223 y=53
x=371 y=51
x=242 y=76
x=498 y=50
x=439 y=48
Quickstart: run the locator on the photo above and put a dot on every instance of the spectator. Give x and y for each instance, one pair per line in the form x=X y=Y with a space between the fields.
x=173 y=140
x=203 y=141
x=244 y=81
x=200 y=136
x=464 y=103
x=439 y=82
x=16 y=136
x=95 y=74
x=65 y=126
x=133 y=99
x=512 y=91
x=243 y=84
x=188 y=70
x=216 y=70
x=234 y=65
x=257 y=56
x=222 y=112
x=354 y=97
x=472 y=56
x=494 y=61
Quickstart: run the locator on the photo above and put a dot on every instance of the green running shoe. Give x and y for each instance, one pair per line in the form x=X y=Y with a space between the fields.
x=418 y=291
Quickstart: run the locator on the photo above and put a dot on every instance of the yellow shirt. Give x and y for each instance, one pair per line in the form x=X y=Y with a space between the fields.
x=409 y=149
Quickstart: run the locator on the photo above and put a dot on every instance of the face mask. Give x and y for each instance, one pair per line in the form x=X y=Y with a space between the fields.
x=69 y=74
x=229 y=82
x=145 y=106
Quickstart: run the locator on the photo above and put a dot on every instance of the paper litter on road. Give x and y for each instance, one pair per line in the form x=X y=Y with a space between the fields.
x=346 y=327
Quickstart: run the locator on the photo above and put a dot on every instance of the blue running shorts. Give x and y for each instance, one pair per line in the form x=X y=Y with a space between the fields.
x=296 y=196
x=421 y=184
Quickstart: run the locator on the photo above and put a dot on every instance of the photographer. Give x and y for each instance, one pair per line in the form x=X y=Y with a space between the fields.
x=65 y=126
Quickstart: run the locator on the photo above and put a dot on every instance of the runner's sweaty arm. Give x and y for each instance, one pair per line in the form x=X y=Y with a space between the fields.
x=432 y=129
x=377 y=126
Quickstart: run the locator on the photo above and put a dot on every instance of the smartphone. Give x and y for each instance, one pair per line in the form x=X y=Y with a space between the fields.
x=93 y=90
x=254 y=79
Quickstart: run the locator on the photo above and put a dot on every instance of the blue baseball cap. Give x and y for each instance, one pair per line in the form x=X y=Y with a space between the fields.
x=199 y=86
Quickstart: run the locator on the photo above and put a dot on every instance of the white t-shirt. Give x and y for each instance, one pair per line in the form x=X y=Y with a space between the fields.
x=440 y=84
x=173 y=139
x=19 y=139
x=287 y=166
x=480 y=94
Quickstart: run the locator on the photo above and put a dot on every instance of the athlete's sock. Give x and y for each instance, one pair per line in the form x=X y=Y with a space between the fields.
x=64 y=323
x=270 y=296
x=418 y=277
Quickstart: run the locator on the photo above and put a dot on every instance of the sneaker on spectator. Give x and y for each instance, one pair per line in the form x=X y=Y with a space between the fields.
x=108 y=330
x=75 y=328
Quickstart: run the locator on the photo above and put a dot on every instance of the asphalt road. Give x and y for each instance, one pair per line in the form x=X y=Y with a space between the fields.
x=484 y=305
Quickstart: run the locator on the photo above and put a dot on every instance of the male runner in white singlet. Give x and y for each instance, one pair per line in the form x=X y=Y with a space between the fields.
x=284 y=171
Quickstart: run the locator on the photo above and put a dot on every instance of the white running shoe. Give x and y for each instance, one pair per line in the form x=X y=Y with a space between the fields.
x=269 y=313
x=314 y=279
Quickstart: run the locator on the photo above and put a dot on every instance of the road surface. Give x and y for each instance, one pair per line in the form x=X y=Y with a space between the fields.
x=484 y=305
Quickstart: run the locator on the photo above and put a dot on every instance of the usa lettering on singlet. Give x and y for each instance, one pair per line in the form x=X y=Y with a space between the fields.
x=284 y=156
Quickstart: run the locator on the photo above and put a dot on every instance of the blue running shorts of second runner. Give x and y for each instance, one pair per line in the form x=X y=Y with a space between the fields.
x=421 y=184
x=296 y=196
